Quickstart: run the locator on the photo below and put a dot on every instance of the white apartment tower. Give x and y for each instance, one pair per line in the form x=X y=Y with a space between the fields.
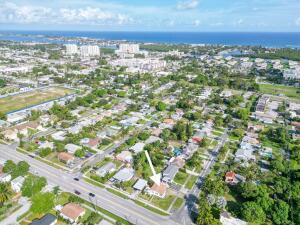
x=71 y=49
x=89 y=50
x=129 y=48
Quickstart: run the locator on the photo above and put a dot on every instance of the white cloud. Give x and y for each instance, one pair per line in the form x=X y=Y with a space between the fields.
x=238 y=22
x=12 y=13
x=188 y=4
x=298 y=21
x=197 y=23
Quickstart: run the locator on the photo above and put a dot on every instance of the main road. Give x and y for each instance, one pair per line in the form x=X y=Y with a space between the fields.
x=126 y=209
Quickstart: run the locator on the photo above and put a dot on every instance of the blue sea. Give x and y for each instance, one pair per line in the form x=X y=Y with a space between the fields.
x=280 y=40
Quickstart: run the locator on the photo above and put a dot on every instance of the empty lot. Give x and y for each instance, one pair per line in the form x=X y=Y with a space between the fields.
x=31 y=98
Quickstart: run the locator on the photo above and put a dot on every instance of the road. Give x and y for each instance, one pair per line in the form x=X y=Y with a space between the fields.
x=183 y=216
x=104 y=199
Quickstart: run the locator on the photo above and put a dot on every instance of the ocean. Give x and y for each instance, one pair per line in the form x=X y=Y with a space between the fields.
x=279 y=40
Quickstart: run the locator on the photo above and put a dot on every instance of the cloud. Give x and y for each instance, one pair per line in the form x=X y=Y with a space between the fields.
x=188 y=4
x=197 y=23
x=298 y=21
x=12 y=13
x=239 y=22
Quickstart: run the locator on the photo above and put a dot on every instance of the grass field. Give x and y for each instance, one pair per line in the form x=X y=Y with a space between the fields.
x=25 y=100
x=273 y=89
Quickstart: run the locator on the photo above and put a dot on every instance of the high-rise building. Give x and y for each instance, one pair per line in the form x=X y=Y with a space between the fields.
x=89 y=50
x=129 y=48
x=71 y=49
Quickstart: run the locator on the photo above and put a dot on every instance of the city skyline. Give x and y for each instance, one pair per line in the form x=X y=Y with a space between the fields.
x=132 y=15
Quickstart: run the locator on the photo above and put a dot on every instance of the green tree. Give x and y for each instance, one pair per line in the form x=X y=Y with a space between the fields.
x=2 y=83
x=42 y=202
x=80 y=153
x=252 y=212
x=33 y=185
x=5 y=193
x=93 y=218
x=2 y=116
x=249 y=190
x=280 y=212
x=143 y=136
x=44 y=152
x=205 y=216
x=9 y=166
x=161 y=106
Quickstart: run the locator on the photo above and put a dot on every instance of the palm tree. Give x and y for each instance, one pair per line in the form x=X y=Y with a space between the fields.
x=56 y=191
x=5 y=193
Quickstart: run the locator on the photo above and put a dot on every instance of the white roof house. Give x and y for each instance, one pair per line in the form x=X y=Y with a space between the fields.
x=5 y=177
x=106 y=169
x=59 y=136
x=124 y=174
x=227 y=219
x=140 y=184
x=17 y=183
x=138 y=147
x=46 y=144
x=244 y=155
x=71 y=148
x=153 y=139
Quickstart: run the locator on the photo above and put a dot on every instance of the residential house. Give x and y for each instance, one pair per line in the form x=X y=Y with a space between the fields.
x=10 y=134
x=92 y=143
x=158 y=190
x=106 y=169
x=245 y=152
x=138 y=147
x=17 y=183
x=153 y=139
x=266 y=152
x=72 y=212
x=71 y=148
x=123 y=175
x=227 y=219
x=178 y=161
x=140 y=185
x=156 y=132
x=124 y=156
x=233 y=178
x=46 y=144
x=167 y=123
x=5 y=177
x=190 y=148
x=47 y=219
x=59 y=136
x=65 y=157
x=169 y=173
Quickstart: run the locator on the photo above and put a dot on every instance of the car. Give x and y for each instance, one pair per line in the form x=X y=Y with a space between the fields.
x=77 y=192
x=91 y=194
x=75 y=178
x=32 y=156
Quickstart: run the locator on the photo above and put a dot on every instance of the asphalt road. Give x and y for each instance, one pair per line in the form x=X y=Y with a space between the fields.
x=104 y=199
x=183 y=216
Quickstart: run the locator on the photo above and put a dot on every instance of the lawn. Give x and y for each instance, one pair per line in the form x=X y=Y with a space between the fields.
x=190 y=183
x=180 y=177
x=17 y=102
x=163 y=203
x=155 y=210
x=280 y=89
x=216 y=133
x=177 y=204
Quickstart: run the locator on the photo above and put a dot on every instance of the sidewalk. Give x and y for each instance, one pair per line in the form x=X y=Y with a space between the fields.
x=12 y=219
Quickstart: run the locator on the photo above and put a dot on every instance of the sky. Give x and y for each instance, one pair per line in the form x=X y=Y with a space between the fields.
x=151 y=15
